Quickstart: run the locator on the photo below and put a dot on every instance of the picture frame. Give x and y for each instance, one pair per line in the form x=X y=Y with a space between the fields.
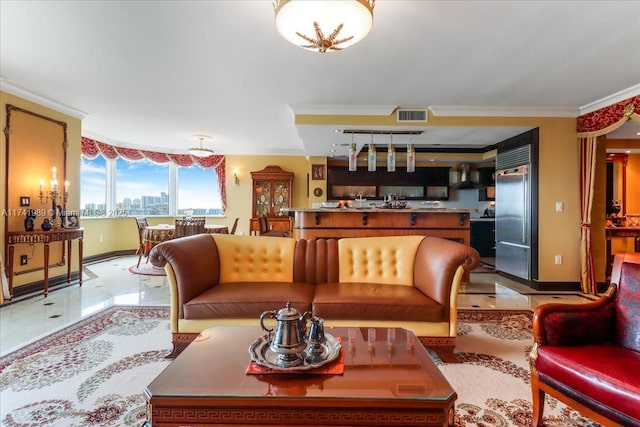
x=72 y=221
x=317 y=172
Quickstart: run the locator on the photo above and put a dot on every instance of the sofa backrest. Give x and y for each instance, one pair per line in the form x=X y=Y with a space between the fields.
x=627 y=302
x=255 y=259
x=387 y=260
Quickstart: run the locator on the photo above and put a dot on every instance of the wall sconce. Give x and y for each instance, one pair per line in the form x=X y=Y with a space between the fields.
x=53 y=194
x=236 y=180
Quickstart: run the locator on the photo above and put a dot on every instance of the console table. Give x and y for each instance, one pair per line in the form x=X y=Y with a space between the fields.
x=620 y=232
x=45 y=237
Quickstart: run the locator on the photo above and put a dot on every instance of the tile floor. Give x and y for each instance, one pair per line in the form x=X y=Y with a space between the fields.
x=109 y=283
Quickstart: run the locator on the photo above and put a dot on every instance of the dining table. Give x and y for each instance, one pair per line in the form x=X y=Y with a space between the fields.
x=155 y=234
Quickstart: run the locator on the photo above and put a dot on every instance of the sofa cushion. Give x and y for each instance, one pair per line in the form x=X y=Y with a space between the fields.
x=628 y=307
x=372 y=301
x=246 y=300
x=251 y=259
x=603 y=373
x=386 y=260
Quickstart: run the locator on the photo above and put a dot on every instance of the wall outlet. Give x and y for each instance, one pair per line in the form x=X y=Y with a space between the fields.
x=558 y=259
x=23 y=260
x=101 y=238
x=559 y=206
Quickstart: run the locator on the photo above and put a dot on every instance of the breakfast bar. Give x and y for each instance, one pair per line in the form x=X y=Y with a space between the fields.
x=326 y=223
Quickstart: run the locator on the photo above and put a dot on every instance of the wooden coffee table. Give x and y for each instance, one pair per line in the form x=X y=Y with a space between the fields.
x=385 y=383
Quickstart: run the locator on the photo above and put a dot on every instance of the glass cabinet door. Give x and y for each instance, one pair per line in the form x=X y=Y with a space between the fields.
x=262 y=198
x=280 y=197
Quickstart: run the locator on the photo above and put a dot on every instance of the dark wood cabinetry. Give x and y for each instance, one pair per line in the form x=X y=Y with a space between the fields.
x=487 y=178
x=271 y=193
x=483 y=238
x=428 y=183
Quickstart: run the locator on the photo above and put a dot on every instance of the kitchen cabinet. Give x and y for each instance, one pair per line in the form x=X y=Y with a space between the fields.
x=272 y=191
x=486 y=177
x=426 y=183
x=483 y=237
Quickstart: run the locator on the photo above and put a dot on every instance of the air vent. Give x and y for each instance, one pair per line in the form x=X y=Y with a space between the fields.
x=407 y=115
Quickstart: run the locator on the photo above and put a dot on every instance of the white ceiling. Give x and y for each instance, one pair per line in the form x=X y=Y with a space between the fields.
x=152 y=74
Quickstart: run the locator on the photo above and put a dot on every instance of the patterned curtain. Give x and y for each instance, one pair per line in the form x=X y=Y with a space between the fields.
x=92 y=149
x=590 y=126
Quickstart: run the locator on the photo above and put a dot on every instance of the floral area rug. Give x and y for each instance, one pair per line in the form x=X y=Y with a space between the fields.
x=92 y=373
x=95 y=371
x=493 y=381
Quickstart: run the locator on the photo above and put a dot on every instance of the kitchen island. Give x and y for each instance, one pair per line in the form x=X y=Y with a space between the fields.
x=326 y=223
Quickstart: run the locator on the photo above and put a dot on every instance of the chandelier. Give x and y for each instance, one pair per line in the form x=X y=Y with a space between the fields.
x=201 y=151
x=324 y=26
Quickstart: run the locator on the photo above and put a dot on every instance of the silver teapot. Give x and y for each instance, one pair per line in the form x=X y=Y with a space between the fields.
x=289 y=337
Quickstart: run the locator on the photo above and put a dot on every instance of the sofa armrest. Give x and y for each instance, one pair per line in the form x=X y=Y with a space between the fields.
x=192 y=265
x=575 y=324
x=436 y=264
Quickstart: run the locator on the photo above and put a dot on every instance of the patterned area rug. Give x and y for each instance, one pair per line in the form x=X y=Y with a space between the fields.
x=94 y=371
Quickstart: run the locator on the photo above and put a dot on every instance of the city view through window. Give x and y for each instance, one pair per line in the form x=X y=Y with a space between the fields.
x=143 y=188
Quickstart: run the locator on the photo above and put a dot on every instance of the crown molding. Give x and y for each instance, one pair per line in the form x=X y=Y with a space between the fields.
x=343 y=110
x=610 y=100
x=458 y=111
x=41 y=100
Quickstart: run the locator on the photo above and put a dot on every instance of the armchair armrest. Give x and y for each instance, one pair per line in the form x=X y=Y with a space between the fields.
x=576 y=324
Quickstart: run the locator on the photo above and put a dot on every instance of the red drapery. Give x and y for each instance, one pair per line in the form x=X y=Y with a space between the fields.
x=589 y=127
x=92 y=149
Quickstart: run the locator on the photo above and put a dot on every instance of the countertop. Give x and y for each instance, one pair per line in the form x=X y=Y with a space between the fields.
x=378 y=209
x=483 y=219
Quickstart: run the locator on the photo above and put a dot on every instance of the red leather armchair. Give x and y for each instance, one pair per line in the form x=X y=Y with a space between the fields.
x=588 y=355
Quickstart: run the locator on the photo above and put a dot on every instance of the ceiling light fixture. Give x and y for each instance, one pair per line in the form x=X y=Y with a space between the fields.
x=324 y=26
x=353 y=156
x=391 y=156
x=411 y=155
x=201 y=151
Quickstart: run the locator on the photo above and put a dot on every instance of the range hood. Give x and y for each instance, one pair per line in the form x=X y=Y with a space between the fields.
x=465 y=181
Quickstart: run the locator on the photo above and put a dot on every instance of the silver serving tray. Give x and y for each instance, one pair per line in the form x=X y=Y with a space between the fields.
x=264 y=356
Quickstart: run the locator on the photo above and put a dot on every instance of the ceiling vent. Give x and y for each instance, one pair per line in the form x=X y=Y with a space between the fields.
x=412 y=115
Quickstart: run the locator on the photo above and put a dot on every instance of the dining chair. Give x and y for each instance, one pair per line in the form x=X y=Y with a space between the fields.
x=265 y=229
x=189 y=226
x=234 y=226
x=141 y=223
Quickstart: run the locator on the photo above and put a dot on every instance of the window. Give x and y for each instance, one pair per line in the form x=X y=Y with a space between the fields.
x=193 y=183
x=119 y=187
x=142 y=187
x=93 y=186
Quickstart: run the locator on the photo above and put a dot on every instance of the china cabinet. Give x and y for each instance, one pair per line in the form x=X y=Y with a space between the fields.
x=271 y=193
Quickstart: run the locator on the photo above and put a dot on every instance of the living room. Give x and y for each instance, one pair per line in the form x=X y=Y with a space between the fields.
x=560 y=162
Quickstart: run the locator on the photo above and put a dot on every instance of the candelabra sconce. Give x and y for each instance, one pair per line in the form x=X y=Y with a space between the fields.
x=236 y=180
x=54 y=194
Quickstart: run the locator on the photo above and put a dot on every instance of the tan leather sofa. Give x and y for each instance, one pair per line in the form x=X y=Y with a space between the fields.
x=396 y=281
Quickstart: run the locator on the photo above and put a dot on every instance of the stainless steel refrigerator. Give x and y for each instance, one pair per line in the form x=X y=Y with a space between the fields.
x=513 y=220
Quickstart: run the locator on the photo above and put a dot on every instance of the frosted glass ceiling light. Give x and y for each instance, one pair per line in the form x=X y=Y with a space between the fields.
x=391 y=156
x=201 y=151
x=324 y=26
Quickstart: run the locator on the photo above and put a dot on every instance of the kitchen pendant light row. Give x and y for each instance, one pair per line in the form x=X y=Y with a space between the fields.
x=372 y=156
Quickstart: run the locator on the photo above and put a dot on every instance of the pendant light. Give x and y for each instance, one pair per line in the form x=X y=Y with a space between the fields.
x=201 y=151
x=371 y=157
x=411 y=156
x=391 y=156
x=353 y=156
